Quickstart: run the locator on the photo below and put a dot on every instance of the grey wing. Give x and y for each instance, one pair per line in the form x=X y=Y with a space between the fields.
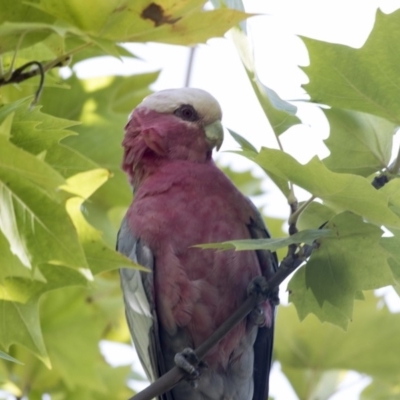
x=265 y=336
x=137 y=289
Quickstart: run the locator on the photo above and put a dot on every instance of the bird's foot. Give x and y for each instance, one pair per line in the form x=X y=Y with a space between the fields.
x=257 y=316
x=191 y=365
x=259 y=287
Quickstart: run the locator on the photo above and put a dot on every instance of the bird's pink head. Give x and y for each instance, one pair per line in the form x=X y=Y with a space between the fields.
x=173 y=124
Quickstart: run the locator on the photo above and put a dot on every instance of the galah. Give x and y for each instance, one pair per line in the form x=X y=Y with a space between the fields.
x=182 y=199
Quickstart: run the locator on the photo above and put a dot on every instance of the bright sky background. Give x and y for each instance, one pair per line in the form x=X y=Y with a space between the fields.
x=278 y=52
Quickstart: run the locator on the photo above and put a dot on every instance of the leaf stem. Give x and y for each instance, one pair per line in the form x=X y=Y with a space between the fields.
x=295 y=215
x=9 y=73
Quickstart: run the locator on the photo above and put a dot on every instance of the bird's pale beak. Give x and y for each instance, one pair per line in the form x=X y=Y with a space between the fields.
x=214 y=134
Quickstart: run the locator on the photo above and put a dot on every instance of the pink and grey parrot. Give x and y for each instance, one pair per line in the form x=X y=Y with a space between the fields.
x=182 y=199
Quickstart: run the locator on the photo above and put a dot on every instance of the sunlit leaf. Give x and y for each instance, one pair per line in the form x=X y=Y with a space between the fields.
x=335 y=77
x=20 y=325
x=243 y=142
x=307 y=236
x=103 y=105
x=313 y=383
x=340 y=191
x=310 y=345
x=29 y=209
x=350 y=260
x=381 y=390
x=359 y=143
x=315 y=215
x=246 y=182
x=279 y=181
x=99 y=256
x=164 y=21
x=18 y=11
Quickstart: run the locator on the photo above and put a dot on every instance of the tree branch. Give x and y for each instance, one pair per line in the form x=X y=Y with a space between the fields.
x=18 y=75
x=167 y=381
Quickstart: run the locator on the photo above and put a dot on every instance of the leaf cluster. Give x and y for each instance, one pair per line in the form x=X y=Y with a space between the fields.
x=62 y=194
x=352 y=221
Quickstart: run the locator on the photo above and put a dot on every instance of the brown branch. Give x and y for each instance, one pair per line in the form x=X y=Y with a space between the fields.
x=19 y=75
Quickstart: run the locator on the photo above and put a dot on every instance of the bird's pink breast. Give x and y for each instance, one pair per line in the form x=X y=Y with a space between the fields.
x=179 y=206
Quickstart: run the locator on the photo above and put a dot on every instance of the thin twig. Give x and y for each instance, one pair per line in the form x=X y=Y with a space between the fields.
x=296 y=213
x=189 y=70
x=18 y=75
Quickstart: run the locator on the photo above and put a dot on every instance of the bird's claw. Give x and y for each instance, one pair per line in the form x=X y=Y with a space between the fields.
x=188 y=361
x=259 y=287
x=257 y=316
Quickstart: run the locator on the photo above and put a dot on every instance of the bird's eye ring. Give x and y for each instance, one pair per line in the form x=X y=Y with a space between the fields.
x=187 y=113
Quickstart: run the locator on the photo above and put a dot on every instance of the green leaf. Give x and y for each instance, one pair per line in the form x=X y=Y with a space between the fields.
x=392 y=246
x=245 y=181
x=335 y=77
x=339 y=191
x=19 y=313
x=7 y=357
x=163 y=21
x=313 y=383
x=71 y=330
x=307 y=237
x=381 y=390
x=21 y=289
x=348 y=261
x=36 y=132
x=20 y=325
x=11 y=266
x=5 y=126
x=103 y=105
x=306 y=303
x=15 y=161
x=314 y=216
x=113 y=380
x=282 y=183
x=312 y=346
x=280 y=113
x=18 y=11
x=73 y=322
x=242 y=142
x=392 y=191
x=359 y=143
x=84 y=184
x=99 y=256
x=29 y=209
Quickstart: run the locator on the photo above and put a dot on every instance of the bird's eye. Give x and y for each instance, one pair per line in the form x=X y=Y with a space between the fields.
x=187 y=113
